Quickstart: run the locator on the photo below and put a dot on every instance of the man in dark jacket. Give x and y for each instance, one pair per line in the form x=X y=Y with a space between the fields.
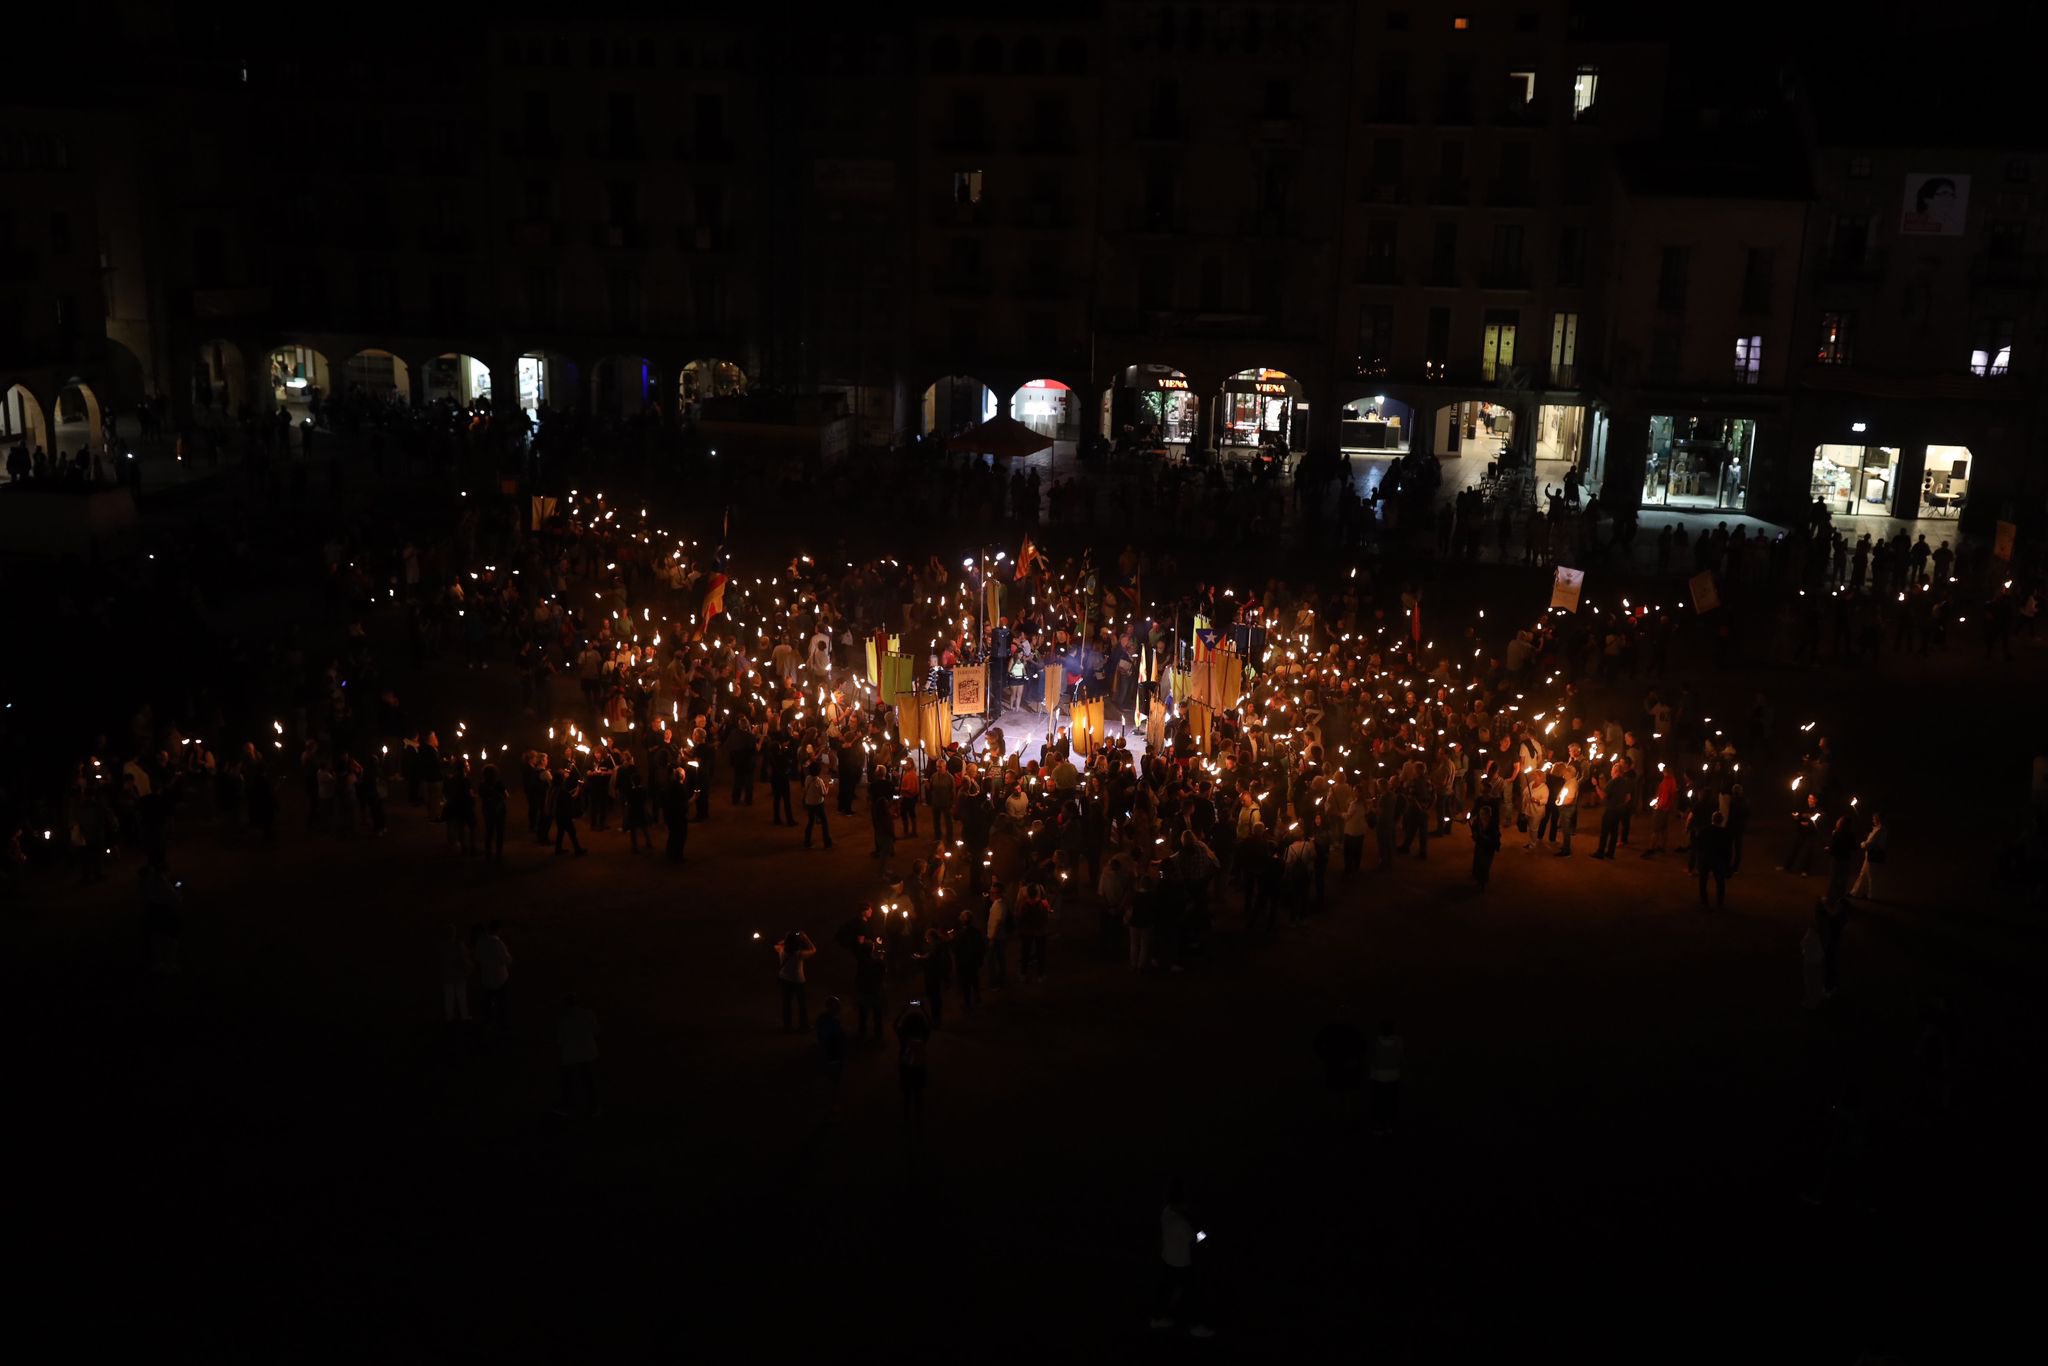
x=1711 y=856
x=675 y=813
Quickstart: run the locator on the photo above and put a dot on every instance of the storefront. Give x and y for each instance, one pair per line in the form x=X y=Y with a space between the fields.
x=1855 y=481
x=1699 y=464
x=1261 y=407
x=1945 y=481
x=955 y=403
x=1473 y=429
x=1047 y=407
x=295 y=372
x=702 y=379
x=461 y=380
x=1375 y=424
x=1152 y=403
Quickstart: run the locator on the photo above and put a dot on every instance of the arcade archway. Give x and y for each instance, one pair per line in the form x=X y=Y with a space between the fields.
x=377 y=375
x=711 y=378
x=297 y=373
x=547 y=379
x=453 y=377
x=21 y=420
x=80 y=422
x=622 y=386
x=953 y=403
x=1262 y=407
x=220 y=378
x=1049 y=408
x=1151 y=404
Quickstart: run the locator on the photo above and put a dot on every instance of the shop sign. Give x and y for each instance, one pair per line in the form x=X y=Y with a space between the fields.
x=1179 y=384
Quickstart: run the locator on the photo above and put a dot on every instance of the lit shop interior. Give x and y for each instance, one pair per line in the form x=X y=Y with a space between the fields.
x=1375 y=425
x=295 y=371
x=1262 y=406
x=1047 y=407
x=1945 y=481
x=1472 y=430
x=1699 y=463
x=458 y=379
x=1569 y=434
x=376 y=374
x=1855 y=481
x=702 y=379
x=1152 y=400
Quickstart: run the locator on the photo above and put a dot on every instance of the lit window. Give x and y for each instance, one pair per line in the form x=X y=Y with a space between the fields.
x=1749 y=359
x=1461 y=23
x=1980 y=361
x=1523 y=83
x=1991 y=363
x=1585 y=90
x=1834 y=339
x=966 y=187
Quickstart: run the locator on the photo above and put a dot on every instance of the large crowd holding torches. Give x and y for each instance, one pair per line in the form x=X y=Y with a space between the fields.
x=1224 y=740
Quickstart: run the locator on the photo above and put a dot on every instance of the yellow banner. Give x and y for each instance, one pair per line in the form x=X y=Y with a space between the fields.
x=970 y=690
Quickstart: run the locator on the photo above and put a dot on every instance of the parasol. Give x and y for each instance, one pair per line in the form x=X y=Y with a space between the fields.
x=1002 y=437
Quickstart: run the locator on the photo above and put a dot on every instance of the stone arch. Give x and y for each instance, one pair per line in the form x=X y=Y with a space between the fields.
x=378 y=374
x=220 y=376
x=711 y=377
x=297 y=369
x=953 y=403
x=456 y=377
x=78 y=420
x=623 y=385
x=1148 y=394
x=22 y=420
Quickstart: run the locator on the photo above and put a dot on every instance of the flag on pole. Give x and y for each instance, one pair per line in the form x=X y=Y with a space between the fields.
x=714 y=599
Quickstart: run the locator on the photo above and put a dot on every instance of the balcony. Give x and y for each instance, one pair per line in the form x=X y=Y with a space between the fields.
x=1504 y=277
x=617 y=236
x=1042 y=216
x=1047 y=140
x=1443 y=275
x=948 y=212
x=1564 y=377
x=1160 y=126
x=1155 y=220
x=1454 y=109
x=960 y=284
x=536 y=234
x=1518 y=193
x=1450 y=191
x=705 y=147
x=448 y=241
x=965 y=137
x=1516 y=112
x=1279 y=130
x=2010 y=271
x=704 y=237
x=1377 y=270
x=616 y=146
x=246 y=302
x=1391 y=190
x=532 y=144
x=1046 y=286
x=1265 y=223
x=1391 y=108
x=1848 y=268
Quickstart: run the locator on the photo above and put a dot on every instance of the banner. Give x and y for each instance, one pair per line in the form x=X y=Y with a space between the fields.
x=1055 y=683
x=1155 y=728
x=1705 y=596
x=543 y=509
x=970 y=690
x=1565 y=588
x=2001 y=548
x=1935 y=205
x=992 y=603
x=874 y=663
x=1087 y=730
x=899 y=675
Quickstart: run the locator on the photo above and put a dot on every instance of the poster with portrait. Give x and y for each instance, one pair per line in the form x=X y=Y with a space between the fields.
x=970 y=690
x=1936 y=204
x=1705 y=595
x=1565 y=588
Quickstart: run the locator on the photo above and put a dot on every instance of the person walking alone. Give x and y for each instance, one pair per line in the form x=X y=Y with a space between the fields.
x=790 y=952
x=1874 y=847
x=455 y=978
x=814 y=804
x=1485 y=844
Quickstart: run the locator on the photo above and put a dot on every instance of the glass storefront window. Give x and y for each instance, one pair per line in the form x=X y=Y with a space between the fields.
x=1699 y=463
x=1855 y=481
x=1945 y=482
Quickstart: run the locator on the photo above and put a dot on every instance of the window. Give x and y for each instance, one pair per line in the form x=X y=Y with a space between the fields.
x=542 y=293
x=1507 y=251
x=537 y=114
x=1749 y=359
x=1497 y=343
x=1571 y=257
x=2006 y=238
x=60 y=234
x=1834 y=339
x=1390 y=104
x=1461 y=23
x=1212 y=285
x=1279 y=101
x=966 y=187
x=1386 y=166
x=622 y=117
x=1437 y=346
x=1155 y=282
x=538 y=198
x=1757 y=267
x=1528 y=21
x=963 y=256
x=623 y=294
x=2018 y=171
x=1522 y=86
x=1443 y=257
x=623 y=198
x=1850 y=245
x=1397 y=21
x=1585 y=90
x=1375 y=337
x=1994 y=356
x=1673 y=269
x=1859 y=168
x=1564 y=350
x=1381 y=243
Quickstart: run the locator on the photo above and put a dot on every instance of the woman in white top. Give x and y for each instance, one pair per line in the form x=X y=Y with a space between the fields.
x=790 y=952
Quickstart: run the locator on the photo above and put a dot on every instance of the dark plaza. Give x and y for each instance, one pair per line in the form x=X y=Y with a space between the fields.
x=1335 y=610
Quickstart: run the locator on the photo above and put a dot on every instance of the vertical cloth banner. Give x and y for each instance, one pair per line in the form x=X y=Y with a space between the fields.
x=2001 y=548
x=1706 y=595
x=899 y=675
x=970 y=690
x=1566 y=587
x=1055 y=683
x=1087 y=731
x=1155 y=728
x=543 y=509
x=992 y=602
x=874 y=661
